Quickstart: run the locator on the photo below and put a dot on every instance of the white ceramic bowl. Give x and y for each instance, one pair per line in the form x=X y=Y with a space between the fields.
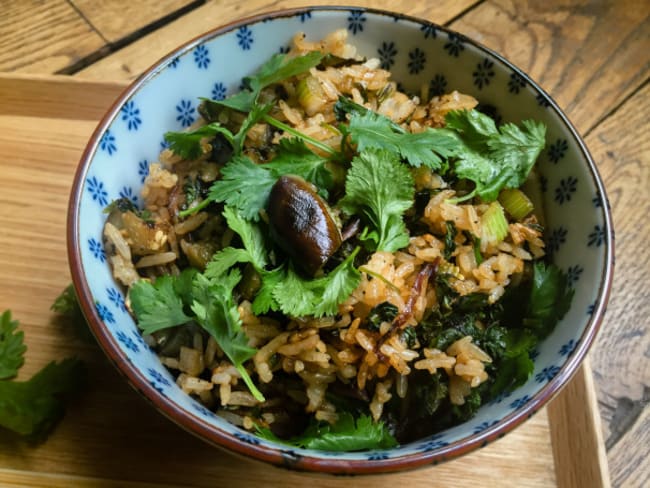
x=165 y=98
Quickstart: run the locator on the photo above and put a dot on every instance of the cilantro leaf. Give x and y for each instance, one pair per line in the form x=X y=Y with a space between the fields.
x=264 y=300
x=278 y=68
x=244 y=185
x=12 y=348
x=369 y=129
x=297 y=296
x=294 y=157
x=347 y=434
x=381 y=189
x=493 y=158
x=251 y=236
x=217 y=313
x=550 y=299
x=67 y=305
x=33 y=407
x=254 y=251
x=157 y=305
x=257 y=112
x=188 y=144
x=225 y=259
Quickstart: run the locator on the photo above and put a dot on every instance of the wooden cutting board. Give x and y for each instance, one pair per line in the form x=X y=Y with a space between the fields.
x=110 y=435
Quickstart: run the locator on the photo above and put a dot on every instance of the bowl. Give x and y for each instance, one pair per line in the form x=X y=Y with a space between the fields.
x=130 y=136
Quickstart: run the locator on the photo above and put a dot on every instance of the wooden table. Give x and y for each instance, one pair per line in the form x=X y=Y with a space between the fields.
x=593 y=57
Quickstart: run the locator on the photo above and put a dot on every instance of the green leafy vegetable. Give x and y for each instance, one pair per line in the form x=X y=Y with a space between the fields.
x=188 y=144
x=276 y=69
x=384 y=312
x=264 y=300
x=244 y=185
x=254 y=251
x=217 y=313
x=381 y=189
x=67 y=305
x=294 y=157
x=347 y=434
x=32 y=407
x=157 y=305
x=297 y=296
x=450 y=242
x=550 y=299
x=428 y=148
x=494 y=158
x=12 y=348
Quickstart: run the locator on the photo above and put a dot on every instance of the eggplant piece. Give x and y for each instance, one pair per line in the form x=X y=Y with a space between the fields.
x=301 y=224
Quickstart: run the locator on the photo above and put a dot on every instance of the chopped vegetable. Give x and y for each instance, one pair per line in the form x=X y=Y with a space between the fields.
x=494 y=224
x=516 y=203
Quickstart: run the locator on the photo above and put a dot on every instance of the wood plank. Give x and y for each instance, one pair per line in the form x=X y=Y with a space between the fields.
x=117 y=19
x=100 y=445
x=53 y=96
x=578 y=447
x=621 y=147
x=588 y=54
x=43 y=37
x=129 y=62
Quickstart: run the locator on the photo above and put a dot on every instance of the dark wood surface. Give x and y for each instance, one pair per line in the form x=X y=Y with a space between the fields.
x=592 y=56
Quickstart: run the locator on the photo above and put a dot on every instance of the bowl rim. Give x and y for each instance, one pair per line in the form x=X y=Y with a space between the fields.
x=287 y=457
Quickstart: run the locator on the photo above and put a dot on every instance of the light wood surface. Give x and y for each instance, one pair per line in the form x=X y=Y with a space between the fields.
x=592 y=56
x=43 y=37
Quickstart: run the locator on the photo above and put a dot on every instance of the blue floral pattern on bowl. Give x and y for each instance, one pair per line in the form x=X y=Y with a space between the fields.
x=578 y=222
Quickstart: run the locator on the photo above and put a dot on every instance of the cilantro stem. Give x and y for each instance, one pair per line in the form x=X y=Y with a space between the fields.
x=281 y=125
x=379 y=277
x=197 y=208
x=249 y=383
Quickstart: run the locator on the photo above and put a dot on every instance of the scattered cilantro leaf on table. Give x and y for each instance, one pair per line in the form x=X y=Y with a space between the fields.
x=493 y=158
x=32 y=407
x=67 y=305
x=380 y=188
x=12 y=348
x=347 y=434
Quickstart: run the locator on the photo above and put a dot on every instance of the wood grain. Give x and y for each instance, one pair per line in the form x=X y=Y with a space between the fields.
x=43 y=37
x=576 y=434
x=52 y=97
x=129 y=62
x=588 y=54
x=117 y=19
x=621 y=147
x=111 y=436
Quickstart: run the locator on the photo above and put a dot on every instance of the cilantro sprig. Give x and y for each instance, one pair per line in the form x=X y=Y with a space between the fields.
x=493 y=158
x=381 y=189
x=165 y=303
x=33 y=407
